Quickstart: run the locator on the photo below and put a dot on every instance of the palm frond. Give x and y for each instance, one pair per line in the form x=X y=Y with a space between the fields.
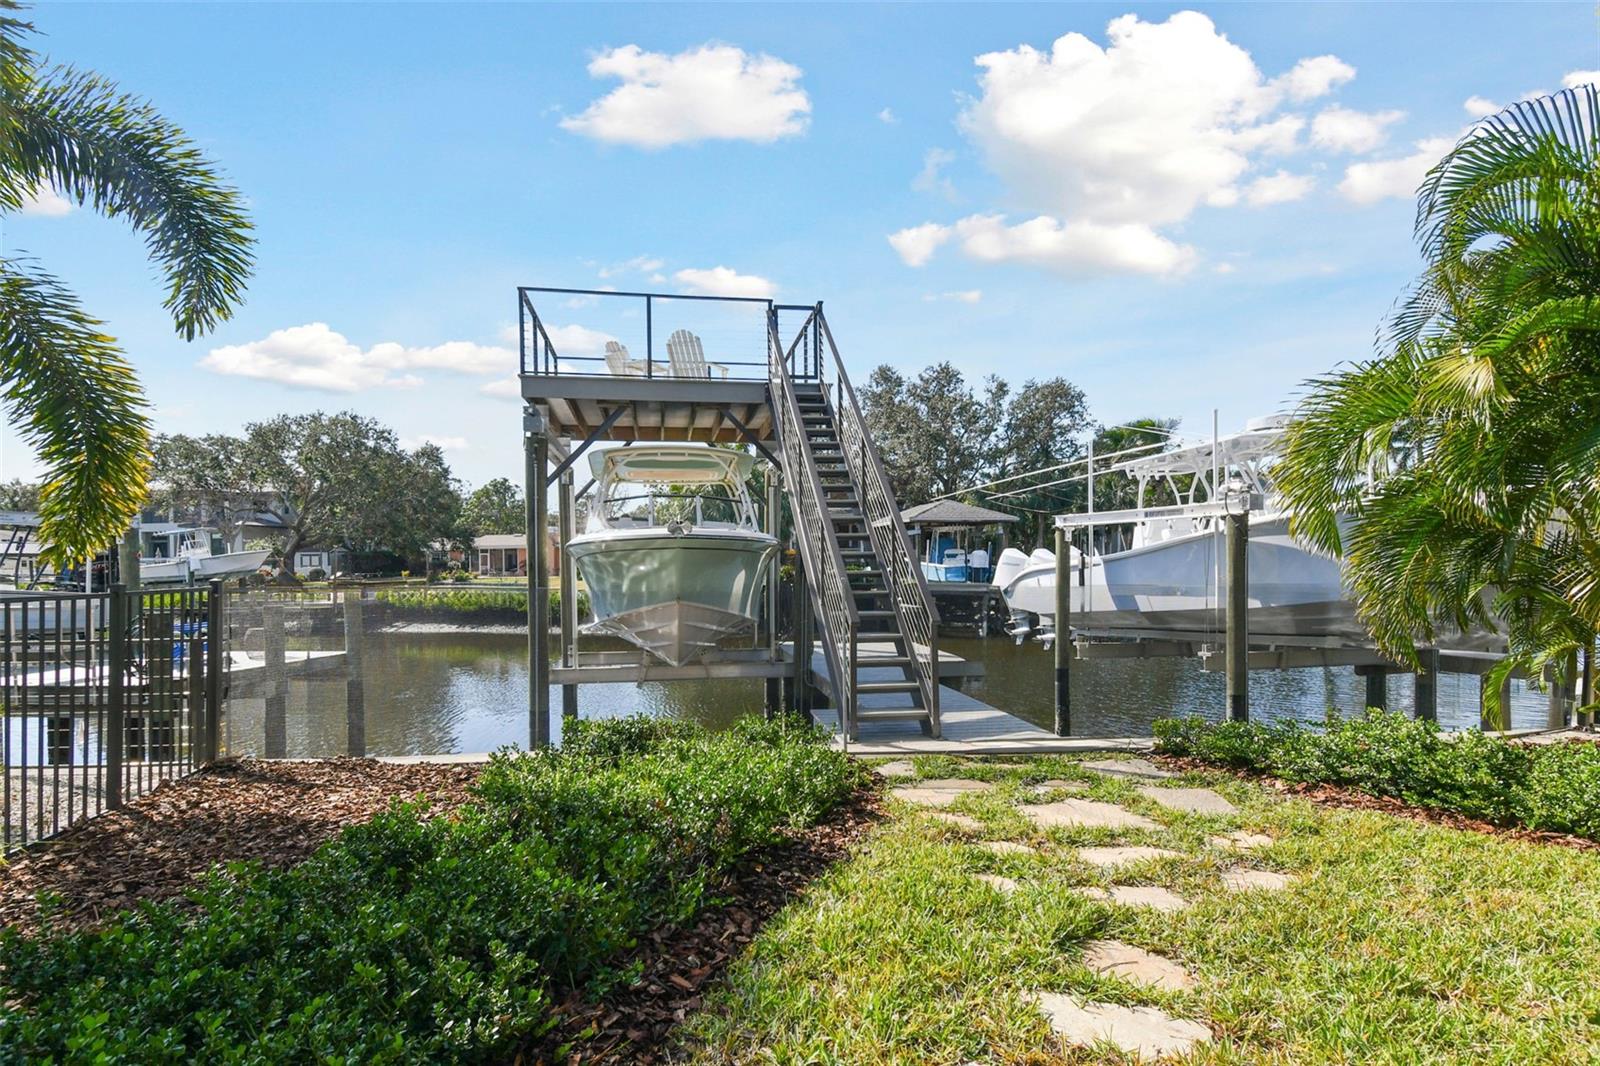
x=76 y=400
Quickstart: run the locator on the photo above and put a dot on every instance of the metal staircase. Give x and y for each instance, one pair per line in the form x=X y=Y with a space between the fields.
x=865 y=585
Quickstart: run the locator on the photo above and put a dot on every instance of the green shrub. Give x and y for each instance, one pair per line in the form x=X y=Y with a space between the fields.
x=1554 y=787
x=416 y=940
x=480 y=599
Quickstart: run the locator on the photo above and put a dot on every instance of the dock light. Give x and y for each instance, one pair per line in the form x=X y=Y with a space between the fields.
x=1236 y=495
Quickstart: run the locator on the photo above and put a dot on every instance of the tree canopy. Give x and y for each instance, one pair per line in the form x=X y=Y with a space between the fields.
x=66 y=385
x=1459 y=471
x=496 y=506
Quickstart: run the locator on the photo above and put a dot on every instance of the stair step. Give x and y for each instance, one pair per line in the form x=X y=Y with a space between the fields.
x=885 y=613
x=894 y=661
x=888 y=714
x=867 y=688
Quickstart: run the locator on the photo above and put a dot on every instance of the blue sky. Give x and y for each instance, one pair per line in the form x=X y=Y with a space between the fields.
x=1174 y=211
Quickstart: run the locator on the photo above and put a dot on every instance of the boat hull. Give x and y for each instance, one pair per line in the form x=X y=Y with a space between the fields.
x=200 y=567
x=674 y=595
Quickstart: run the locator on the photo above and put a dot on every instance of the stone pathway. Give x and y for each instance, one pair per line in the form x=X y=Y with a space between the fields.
x=1006 y=847
x=1153 y=896
x=898 y=768
x=1061 y=785
x=939 y=792
x=1114 y=857
x=1189 y=800
x=1241 y=879
x=1113 y=958
x=1128 y=768
x=1003 y=885
x=1240 y=840
x=958 y=821
x=1144 y=1032
x=1079 y=813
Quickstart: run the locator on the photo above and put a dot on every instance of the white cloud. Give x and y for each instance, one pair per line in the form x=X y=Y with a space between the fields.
x=45 y=202
x=887 y=116
x=1279 y=188
x=313 y=356
x=641 y=264
x=1480 y=106
x=1575 y=78
x=722 y=281
x=713 y=92
x=1367 y=183
x=1341 y=129
x=963 y=296
x=448 y=444
x=1078 y=248
x=1316 y=76
x=930 y=178
x=916 y=245
x=503 y=388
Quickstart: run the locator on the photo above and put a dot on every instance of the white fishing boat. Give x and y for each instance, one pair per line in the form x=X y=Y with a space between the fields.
x=1171 y=574
x=674 y=559
x=189 y=555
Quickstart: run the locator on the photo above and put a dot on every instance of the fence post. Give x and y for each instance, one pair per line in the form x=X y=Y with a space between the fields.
x=355 y=697
x=116 y=694
x=276 y=737
x=216 y=606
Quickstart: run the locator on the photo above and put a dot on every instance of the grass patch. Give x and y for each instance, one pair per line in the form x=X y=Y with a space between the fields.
x=416 y=940
x=454 y=602
x=1553 y=787
x=1399 y=941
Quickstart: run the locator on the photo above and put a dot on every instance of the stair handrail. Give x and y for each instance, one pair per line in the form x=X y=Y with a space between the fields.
x=914 y=607
x=819 y=548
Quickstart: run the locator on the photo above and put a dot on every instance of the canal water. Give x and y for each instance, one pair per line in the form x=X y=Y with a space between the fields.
x=435 y=693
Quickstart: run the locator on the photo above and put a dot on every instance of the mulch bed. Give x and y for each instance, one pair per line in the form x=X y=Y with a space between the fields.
x=635 y=1024
x=276 y=813
x=1356 y=800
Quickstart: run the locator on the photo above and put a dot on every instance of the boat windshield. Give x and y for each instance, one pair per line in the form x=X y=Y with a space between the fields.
x=635 y=505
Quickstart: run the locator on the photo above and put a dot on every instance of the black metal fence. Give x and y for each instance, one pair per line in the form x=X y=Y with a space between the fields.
x=103 y=696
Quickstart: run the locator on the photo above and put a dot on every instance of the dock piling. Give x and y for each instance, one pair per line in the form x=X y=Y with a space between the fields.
x=1063 y=639
x=566 y=525
x=276 y=740
x=774 y=692
x=355 y=701
x=1238 y=626
x=536 y=454
x=1427 y=690
x=1377 y=685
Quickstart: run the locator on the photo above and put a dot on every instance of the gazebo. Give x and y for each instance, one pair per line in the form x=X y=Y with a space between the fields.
x=950 y=526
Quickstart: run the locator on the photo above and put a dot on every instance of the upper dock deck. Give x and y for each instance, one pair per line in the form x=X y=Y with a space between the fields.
x=640 y=366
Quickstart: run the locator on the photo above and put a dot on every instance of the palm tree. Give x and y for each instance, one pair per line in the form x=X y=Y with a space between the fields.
x=67 y=387
x=1464 y=460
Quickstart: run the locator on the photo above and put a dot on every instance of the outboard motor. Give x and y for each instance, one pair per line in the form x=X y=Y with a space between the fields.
x=1011 y=563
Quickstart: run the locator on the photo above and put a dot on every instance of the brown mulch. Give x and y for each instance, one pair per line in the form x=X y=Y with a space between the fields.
x=154 y=848
x=635 y=1023
x=1356 y=800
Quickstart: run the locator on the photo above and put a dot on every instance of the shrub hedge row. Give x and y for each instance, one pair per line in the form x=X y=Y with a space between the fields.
x=469 y=600
x=1384 y=753
x=410 y=939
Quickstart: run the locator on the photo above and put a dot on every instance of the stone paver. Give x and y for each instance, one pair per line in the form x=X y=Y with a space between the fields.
x=1153 y=896
x=1006 y=847
x=959 y=821
x=1003 y=885
x=1240 y=879
x=898 y=768
x=1144 y=1032
x=1058 y=784
x=940 y=792
x=1113 y=857
x=1240 y=840
x=1128 y=768
x=1080 y=812
x=1192 y=800
x=1113 y=958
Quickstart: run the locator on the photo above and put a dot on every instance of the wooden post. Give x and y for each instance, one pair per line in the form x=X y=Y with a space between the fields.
x=536 y=453
x=128 y=559
x=116 y=694
x=1238 y=623
x=276 y=743
x=216 y=624
x=1063 y=641
x=567 y=522
x=774 y=526
x=355 y=696
x=1586 y=718
x=1556 y=705
x=1427 y=699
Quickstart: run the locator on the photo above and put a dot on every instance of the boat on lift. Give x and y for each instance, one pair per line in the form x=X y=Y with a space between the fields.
x=673 y=559
x=189 y=555
x=1170 y=575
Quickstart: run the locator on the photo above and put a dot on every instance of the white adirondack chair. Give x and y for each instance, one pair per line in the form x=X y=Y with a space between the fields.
x=688 y=357
x=618 y=363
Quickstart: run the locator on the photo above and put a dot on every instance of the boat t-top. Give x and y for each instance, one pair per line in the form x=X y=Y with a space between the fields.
x=191 y=555
x=673 y=558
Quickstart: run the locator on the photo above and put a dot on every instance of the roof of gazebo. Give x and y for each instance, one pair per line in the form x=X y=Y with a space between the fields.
x=954 y=513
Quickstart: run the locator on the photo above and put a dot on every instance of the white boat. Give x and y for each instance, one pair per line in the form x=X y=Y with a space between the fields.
x=187 y=555
x=673 y=559
x=1171 y=575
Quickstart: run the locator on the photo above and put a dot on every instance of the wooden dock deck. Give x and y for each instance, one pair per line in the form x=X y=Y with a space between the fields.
x=969 y=726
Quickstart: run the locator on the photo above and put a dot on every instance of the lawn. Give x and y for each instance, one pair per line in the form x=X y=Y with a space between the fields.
x=1397 y=940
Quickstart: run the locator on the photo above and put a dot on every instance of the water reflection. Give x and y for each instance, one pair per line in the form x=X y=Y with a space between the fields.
x=437 y=693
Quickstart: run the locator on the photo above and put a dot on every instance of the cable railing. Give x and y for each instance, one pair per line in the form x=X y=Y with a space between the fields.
x=913 y=605
x=830 y=586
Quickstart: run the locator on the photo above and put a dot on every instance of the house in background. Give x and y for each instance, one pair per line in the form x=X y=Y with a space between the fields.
x=506 y=554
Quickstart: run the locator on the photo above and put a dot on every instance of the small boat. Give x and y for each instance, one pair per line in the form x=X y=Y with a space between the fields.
x=1171 y=575
x=188 y=555
x=674 y=560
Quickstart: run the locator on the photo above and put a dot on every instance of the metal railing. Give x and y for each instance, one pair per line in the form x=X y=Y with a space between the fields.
x=733 y=346
x=819 y=548
x=913 y=605
x=105 y=696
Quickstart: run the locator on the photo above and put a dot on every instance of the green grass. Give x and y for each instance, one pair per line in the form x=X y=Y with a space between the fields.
x=1400 y=941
